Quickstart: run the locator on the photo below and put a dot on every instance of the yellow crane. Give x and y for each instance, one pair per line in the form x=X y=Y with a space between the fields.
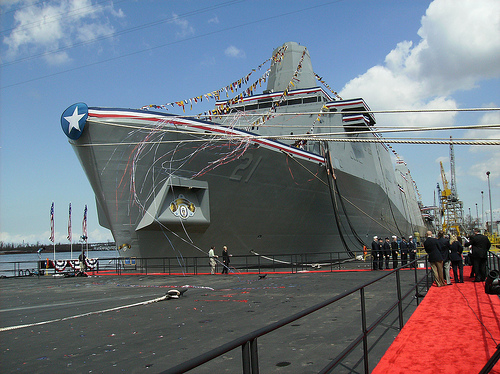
x=446 y=189
x=451 y=207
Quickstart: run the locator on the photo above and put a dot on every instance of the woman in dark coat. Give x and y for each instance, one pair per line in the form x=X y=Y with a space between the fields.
x=457 y=264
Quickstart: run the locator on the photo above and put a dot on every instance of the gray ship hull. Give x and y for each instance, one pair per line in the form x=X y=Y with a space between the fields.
x=174 y=186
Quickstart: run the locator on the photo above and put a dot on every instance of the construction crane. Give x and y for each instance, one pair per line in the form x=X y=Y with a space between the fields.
x=451 y=206
x=446 y=191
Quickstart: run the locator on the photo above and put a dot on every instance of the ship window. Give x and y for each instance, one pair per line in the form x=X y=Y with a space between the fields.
x=310 y=99
x=251 y=107
x=294 y=101
x=265 y=105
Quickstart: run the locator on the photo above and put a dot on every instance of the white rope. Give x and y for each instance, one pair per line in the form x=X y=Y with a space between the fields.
x=388 y=111
x=84 y=314
x=317 y=137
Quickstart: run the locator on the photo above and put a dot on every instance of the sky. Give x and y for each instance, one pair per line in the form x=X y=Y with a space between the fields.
x=404 y=55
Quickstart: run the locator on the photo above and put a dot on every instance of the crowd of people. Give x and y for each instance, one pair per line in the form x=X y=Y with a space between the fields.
x=445 y=254
x=384 y=251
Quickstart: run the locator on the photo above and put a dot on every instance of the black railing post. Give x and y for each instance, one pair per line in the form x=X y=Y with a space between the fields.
x=417 y=294
x=491 y=362
x=365 y=331
x=400 y=306
x=427 y=274
x=254 y=356
x=245 y=357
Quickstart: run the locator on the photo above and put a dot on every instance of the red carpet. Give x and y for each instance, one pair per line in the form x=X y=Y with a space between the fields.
x=455 y=329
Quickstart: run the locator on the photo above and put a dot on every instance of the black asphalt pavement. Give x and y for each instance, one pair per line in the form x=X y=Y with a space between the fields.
x=110 y=324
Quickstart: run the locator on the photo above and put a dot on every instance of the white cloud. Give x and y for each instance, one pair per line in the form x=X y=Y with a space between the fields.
x=491 y=164
x=185 y=28
x=207 y=60
x=234 y=52
x=214 y=20
x=48 y=26
x=459 y=46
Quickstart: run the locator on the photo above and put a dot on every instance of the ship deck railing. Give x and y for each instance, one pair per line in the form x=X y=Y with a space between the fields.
x=239 y=264
x=198 y=265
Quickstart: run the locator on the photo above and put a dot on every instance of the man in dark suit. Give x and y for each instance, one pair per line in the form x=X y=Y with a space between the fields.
x=480 y=245
x=394 y=251
x=412 y=250
x=444 y=247
x=375 y=252
x=403 y=246
x=431 y=246
x=386 y=248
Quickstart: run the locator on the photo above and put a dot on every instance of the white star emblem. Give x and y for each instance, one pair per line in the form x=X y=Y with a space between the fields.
x=74 y=120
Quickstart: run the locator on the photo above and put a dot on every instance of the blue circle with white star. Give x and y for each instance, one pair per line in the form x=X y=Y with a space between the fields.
x=73 y=120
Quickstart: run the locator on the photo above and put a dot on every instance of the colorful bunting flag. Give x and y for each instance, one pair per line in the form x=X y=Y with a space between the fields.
x=52 y=237
x=70 y=236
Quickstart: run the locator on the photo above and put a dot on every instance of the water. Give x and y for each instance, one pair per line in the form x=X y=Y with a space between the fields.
x=30 y=260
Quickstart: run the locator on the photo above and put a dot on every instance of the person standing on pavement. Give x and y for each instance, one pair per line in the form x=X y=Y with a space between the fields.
x=436 y=260
x=381 y=254
x=403 y=246
x=394 y=251
x=386 y=248
x=375 y=252
x=457 y=264
x=211 y=258
x=225 y=260
x=412 y=250
x=480 y=245
x=444 y=247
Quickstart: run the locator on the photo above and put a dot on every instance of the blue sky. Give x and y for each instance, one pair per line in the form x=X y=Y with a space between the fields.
x=440 y=54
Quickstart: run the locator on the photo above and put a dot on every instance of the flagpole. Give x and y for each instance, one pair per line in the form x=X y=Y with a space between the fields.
x=70 y=235
x=86 y=234
x=84 y=230
x=52 y=230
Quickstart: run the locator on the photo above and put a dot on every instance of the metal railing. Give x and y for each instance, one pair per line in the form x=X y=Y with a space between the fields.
x=290 y=263
x=493 y=261
x=248 y=343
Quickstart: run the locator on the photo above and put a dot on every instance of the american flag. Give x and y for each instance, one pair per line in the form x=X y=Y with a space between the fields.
x=84 y=224
x=52 y=223
x=70 y=237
